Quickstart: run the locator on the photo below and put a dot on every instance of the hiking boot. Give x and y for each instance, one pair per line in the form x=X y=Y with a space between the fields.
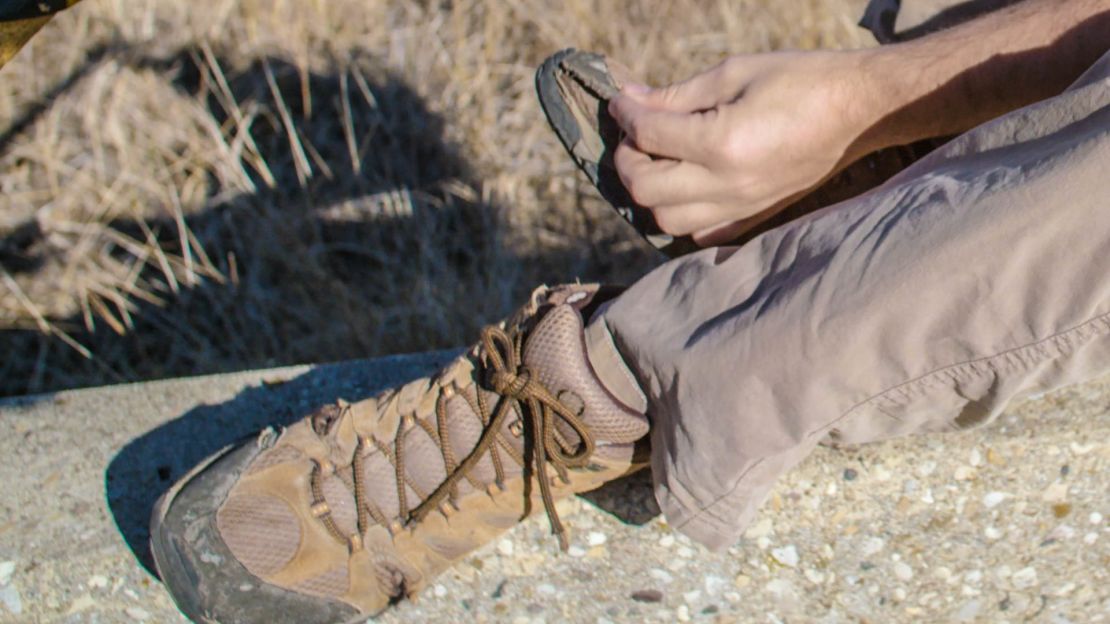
x=362 y=504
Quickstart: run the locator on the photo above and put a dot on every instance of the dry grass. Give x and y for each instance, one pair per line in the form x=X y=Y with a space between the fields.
x=191 y=187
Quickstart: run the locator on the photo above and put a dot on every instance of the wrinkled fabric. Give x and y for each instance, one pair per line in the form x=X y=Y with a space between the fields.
x=977 y=275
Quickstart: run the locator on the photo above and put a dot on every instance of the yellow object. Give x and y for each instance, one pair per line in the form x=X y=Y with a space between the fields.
x=18 y=25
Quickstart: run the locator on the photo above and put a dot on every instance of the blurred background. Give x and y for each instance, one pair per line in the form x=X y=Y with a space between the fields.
x=203 y=186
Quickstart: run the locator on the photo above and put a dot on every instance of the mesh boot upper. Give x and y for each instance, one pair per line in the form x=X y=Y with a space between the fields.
x=344 y=495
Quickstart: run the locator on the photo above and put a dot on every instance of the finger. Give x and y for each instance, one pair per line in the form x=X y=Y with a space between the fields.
x=684 y=219
x=679 y=136
x=658 y=182
x=698 y=93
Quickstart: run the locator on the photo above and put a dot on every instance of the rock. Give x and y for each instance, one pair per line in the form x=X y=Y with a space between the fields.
x=813 y=576
x=82 y=603
x=903 y=571
x=576 y=551
x=138 y=614
x=97 y=581
x=714 y=584
x=647 y=595
x=872 y=546
x=964 y=473
x=968 y=612
x=10 y=598
x=691 y=597
x=742 y=580
x=1055 y=493
x=782 y=590
x=440 y=591
x=787 y=555
x=685 y=552
x=660 y=575
x=7 y=569
x=683 y=613
x=596 y=538
x=505 y=547
x=759 y=529
x=976 y=458
x=992 y=533
x=1090 y=538
x=850 y=474
x=666 y=541
x=1095 y=518
x=1024 y=578
x=994 y=499
x=925 y=468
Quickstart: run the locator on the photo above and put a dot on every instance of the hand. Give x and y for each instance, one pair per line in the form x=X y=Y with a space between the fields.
x=730 y=146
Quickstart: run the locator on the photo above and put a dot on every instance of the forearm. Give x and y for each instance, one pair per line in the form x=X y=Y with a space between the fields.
x=950 y=81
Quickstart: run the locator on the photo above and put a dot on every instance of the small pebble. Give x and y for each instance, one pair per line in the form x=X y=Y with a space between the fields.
x=1082 y=449
x=683 y=613
x=10 y=598
x=691 y=597
x=787 y=555
x=666 y=541
x=596 y=538
x=872 y=545
x=994 y=499
x=97 y=581
x=660 y=575
x=992 y=533
x=647 y=595
x=926 y=468
x=813 y=576
x=7 y=569
x=742 y=580
x=440 y=591
x=1055 y=493
x=83 y=603
x=545 y=588
x=899 y=594
x=762 y=528
x=1095 y=518
x=685 y=552
x=976 y=458
x=138 y=614
x=903 y=571
x=1090 y=538
x=964 y=473
x=576 y=551
x=714 y=584
x=974 y=576
x=1024 y=578
x=969 y=611
x=505 y=547
x=850 y=474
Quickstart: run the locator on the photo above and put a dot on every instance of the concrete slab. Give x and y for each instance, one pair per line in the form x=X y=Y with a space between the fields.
x=1008 y=523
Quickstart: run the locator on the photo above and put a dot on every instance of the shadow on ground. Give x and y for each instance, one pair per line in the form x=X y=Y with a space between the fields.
x=362 y=241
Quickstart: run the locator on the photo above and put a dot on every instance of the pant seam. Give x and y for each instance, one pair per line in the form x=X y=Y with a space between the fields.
x=910 y=387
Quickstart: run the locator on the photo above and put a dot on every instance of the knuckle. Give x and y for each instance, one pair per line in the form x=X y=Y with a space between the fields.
x=669 y=222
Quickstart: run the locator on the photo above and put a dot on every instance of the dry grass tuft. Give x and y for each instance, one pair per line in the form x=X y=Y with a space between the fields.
x=219 y=184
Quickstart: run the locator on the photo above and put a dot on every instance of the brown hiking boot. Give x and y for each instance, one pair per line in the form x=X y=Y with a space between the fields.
x=362 y=504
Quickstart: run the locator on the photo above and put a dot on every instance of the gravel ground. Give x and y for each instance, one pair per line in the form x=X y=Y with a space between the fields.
x=1003 y=524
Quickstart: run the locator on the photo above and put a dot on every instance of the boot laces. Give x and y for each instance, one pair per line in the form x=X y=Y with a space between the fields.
x=501 y=367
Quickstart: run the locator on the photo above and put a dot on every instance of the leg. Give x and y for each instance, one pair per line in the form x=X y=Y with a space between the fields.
x=973 y=277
